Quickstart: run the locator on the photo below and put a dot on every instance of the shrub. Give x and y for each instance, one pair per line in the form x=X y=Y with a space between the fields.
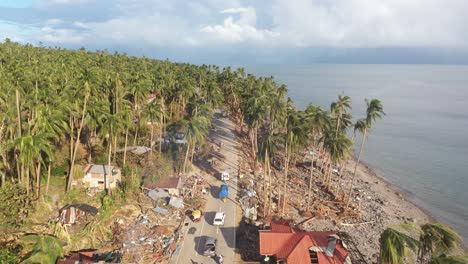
x=7 y=256
x=15 y=205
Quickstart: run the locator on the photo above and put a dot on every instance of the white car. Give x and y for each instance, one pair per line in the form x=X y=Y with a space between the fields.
x=225 y=176
x=219 y=219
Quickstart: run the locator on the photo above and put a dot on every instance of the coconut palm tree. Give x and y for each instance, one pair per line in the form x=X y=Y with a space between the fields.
x=395 y=246
x=87 y=77
x=153 y=113
x=296 y=135
x=338 y=147
x=374 y=111
x=437 y=239
x=266 y=151
x=339 y=108
x=319 y=121
x=112 y=125
x=195 y=129
x=31 y=149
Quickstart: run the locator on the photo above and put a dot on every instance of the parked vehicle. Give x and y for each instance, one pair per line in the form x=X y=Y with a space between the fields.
x=197 y=215
x=210 y=247
x=219 y=218
x=225 y=176
x=223 y=192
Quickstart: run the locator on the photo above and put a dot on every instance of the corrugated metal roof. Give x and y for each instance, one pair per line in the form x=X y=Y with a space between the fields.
x=164 y=183
x=286 y=244
x=99 y=169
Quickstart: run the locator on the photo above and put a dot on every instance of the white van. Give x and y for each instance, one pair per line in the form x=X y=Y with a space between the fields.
x=219 y=219
x=225 y=176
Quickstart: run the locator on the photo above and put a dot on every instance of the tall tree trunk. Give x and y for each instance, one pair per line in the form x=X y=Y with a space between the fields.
x=28 y=182
x=136 y=136
x=285 y=183
x=161 y=133
x=310 y=182
x=109 y=171
x=125 y=148
x=355 y=168
x=49 y=168
x=186 y=158
x=77 y=142
x=38 y=181
x=18 y=112
x=114 y=149
x=151 y=139
x=265 y=185
x=192 y=153
x=269 y=187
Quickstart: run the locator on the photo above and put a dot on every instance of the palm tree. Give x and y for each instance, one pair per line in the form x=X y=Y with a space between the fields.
x=87 y=77
x=31 y=148
x=339 y=108
x=154 y=114
x=395 y=246
x=266 y=151
x=194 y=129
x=296 y=135
x=111 y=126
x=319 y=121
x=437 y=239
x=338 y=146
x=374 y=111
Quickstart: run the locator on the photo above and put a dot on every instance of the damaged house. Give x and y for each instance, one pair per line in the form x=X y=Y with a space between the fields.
x=167 y=188
x=69 y=214
x=283 y=244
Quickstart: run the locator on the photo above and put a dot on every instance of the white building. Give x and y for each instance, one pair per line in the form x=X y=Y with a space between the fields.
x=96 y=175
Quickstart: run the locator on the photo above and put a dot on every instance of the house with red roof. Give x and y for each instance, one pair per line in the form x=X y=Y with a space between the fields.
x=291 y=246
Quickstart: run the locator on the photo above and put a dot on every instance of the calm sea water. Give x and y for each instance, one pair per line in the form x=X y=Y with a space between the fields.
x=421 y=146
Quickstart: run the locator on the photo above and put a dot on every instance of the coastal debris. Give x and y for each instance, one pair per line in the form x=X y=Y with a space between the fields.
x=356 y=224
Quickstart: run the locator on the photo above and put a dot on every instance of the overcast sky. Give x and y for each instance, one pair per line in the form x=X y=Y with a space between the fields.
x=247 y=31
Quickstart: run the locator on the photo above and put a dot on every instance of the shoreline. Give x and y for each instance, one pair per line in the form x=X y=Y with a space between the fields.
x=381 y=204
x=406 y=194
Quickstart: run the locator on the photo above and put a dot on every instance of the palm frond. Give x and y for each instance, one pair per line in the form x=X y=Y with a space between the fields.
x=394 y=246
x=450 y=260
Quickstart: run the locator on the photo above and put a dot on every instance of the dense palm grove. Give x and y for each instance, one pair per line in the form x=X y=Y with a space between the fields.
x=61 y=109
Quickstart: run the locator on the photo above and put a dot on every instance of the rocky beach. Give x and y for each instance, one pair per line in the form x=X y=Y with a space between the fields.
x=377 y=204
x=381 y=205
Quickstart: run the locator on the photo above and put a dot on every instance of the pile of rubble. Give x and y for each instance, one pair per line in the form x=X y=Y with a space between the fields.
x=144 y=240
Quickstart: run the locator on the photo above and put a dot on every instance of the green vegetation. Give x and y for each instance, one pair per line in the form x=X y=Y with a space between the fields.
x=45 y=249
x=435 y=242
x=15 y=206
x=62 y=109
x=7 y=256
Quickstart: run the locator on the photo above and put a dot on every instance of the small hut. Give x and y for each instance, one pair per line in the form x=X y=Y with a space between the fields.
x=69 y=214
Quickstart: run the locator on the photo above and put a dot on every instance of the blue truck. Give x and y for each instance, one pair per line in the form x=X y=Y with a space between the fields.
x=223 y=192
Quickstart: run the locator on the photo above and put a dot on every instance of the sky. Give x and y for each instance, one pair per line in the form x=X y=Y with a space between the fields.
x=248 y=31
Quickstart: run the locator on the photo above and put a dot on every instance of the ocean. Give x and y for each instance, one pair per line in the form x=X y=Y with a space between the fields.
x=421 y=145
